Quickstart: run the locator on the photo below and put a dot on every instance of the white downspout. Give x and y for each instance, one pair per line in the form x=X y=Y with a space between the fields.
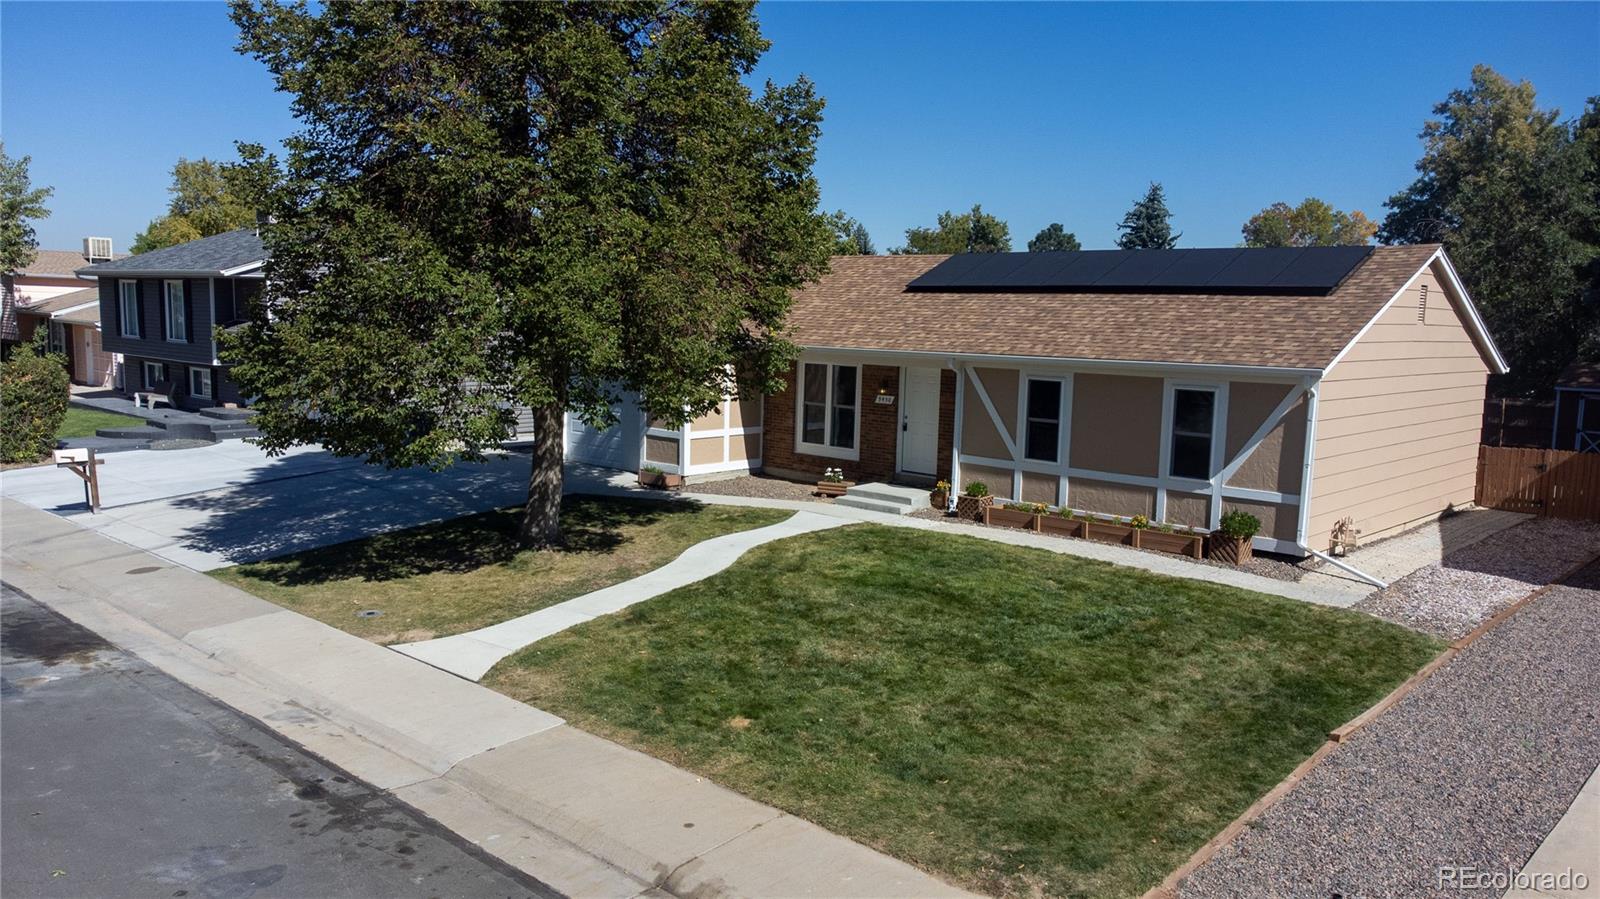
x=955 y=438
x=1347 y=568
x=1305 y=495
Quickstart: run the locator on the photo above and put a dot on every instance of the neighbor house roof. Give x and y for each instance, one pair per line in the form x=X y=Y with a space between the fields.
x=62 y=302
x=1580 y=376
x=54 y=264
x=220 y=254
x=86 y=315
x=863 y=304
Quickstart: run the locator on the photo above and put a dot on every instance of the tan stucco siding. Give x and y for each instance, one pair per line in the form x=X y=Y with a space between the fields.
x=998 y=480
x=1188 y=509
x=1277 y=521
x=744 y=447
x=1040 y=488
x=1111 y=499
x=1278 y=462
x=979 y=436
x=1116 y=424
x=1399 y=418
x=661 y=449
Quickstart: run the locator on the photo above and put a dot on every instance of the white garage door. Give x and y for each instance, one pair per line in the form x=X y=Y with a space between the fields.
x=614 y=447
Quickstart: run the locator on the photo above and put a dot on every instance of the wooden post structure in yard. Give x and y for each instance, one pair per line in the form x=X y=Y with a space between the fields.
x=83 y=464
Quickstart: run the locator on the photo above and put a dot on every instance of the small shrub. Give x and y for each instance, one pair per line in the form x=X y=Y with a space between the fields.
x=1239 y=524
x=833 y=476
x=942 y=487
x=34 y=387
x=977 y=488
x=1030 y=508
x=653 y=469
x=1139 y=522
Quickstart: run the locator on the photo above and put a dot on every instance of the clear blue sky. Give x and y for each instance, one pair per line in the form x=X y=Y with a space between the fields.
x=1042 y=112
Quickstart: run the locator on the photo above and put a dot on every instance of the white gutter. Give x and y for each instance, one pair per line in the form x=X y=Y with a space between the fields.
x=1348 y=568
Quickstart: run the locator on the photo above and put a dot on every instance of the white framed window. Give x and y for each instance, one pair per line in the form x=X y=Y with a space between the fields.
x=57 y=340
x=1191 y=432
x=128 y=301
x=829 y=413
x=1041 y=432
x=154 y=373
x=177 y=327
x=200 y=383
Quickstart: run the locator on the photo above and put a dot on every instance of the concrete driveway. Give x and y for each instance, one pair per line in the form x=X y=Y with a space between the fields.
x=228 y=503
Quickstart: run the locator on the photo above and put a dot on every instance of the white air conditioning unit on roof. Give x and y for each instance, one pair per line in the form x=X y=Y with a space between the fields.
x=97 y=249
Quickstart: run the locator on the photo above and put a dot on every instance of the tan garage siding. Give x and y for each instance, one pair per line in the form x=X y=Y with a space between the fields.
x=1398 y=419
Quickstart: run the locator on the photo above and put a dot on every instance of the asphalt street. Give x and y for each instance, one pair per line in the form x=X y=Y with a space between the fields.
x=120 y=781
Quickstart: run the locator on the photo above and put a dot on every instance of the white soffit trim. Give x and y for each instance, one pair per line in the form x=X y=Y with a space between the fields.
x=1480 y=333
x=60 y=312
x=1264 y=371
x=241 y=269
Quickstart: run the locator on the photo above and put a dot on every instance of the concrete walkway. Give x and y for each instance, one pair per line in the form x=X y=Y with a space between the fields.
x=1571 y=849
x=1392 y=559
x=584 y=815
x=472 y=654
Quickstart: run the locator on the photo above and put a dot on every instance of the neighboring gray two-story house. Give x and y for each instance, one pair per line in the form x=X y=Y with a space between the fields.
x=160 y=310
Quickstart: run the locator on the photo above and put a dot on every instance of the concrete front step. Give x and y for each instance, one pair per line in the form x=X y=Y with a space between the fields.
x=137 y=432
x=226 y=414
x=891 y=498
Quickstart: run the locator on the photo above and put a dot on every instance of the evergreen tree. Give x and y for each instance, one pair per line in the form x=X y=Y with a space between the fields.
x=539 y=204
x=1148 y=225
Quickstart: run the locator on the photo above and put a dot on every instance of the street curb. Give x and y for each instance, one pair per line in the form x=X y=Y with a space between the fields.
x=1168 y=888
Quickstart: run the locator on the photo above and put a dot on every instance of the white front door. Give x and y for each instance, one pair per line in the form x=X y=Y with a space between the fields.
x=919 y=421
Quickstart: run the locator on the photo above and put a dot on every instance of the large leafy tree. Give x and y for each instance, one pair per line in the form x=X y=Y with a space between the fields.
x=850 y=237
x=1054 y=238
x=1511 y=191
x=1148 y=225
x=204 y=203
x=20 y=205
x=520 y=203
x=969 y=232
x=1313 y=223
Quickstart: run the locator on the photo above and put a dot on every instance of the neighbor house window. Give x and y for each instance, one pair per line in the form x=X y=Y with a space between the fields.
x=177 y=328
x=828 y=403
x=154 y=373
x=200 y=383
x=128 y=298
x=1042 y=434
x=1192 y=433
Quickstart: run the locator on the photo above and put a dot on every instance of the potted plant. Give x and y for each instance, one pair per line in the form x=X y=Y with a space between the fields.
x=1062 y=522
x=653 y=477
x=1014 y=515
x=971 y=503
x=1170 y=539
x=1231 y=542
x=940 y=497
x=833 y=483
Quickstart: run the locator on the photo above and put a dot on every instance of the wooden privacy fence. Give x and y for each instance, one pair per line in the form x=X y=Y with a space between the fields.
x=1557 y=483
x=1517 y=422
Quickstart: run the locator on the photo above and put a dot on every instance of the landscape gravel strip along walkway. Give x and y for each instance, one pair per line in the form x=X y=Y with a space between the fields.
x=582 y=814
x=1451 y=598
x=472 y=654
x=1472 y=768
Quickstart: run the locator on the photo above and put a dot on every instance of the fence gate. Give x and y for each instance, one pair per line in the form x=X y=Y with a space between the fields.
x=1556 y=483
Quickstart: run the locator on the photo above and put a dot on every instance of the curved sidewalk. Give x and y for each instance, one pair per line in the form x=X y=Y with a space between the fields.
x=472 y=654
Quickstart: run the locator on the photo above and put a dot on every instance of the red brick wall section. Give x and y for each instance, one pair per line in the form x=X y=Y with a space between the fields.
x=879 y=430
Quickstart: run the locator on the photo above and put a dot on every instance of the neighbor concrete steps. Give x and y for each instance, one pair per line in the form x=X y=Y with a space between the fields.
x=890 y=498
x=210 y=424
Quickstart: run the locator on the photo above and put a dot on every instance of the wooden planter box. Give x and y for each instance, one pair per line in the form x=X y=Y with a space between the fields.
x=1108 y=532
x=660 y=480
x=1060 y=526
x=1011 y=518
x=1233 y=550
x=1178 y=544
x=971 y=507
x=833 y=488
x=939 y=499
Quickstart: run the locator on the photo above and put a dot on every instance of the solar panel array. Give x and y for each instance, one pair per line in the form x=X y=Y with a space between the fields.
x=1261 y=271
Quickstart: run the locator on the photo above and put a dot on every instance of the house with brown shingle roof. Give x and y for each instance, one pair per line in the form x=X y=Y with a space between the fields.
x=1306 y=386
x=48 y=293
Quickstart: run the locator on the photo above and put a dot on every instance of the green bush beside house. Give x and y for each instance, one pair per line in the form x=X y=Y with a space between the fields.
x=34 y=388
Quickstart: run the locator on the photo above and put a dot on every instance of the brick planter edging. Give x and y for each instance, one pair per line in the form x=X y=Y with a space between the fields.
x=1168 y=888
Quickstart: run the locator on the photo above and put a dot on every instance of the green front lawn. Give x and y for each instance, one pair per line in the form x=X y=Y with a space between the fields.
x=1017 y=721
x=83 y=422
x=467 y=573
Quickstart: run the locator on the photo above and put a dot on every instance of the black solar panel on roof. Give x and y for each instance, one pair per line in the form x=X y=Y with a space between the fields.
x=1264 y=270
x=1138 y=269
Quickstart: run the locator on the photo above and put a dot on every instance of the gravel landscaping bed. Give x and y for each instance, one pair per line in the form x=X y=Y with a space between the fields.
x=1472 y=768
x=1283 y=568
x=1477 y=581
x=759 y=485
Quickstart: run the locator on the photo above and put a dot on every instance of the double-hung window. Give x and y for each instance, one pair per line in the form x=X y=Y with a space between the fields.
x=200 y=383
x=829 y=402
x=1041 y=438
x=1192 y=433
x=154 y=373
x=177 y=326
x=128 y=302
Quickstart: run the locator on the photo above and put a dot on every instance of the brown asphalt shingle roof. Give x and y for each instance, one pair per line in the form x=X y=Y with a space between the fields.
x=862 y=303
x=62 y=301
x=55 y=264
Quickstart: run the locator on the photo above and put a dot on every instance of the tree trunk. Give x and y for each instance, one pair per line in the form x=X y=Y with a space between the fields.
x=541 y=515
